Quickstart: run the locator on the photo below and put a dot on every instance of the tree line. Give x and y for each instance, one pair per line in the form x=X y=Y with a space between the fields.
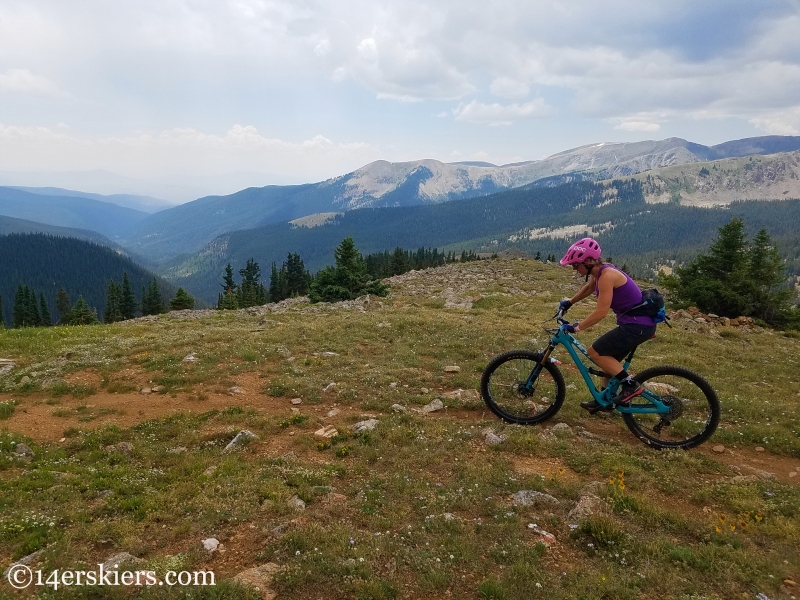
x=121 y=304
x=353 y=275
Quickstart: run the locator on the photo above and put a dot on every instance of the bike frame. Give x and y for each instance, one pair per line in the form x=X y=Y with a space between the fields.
x=603 y=397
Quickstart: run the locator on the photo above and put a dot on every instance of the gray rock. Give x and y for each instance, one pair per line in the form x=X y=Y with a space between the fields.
x=367 y=425
x=235 y=390
x=25 y=560
x=533 y=498
x=117 y=560
x=562 y=428
x=25 y=379
x=210 y=545
x=296 y=503
x=494 y=439
x=241 y=438
x=6 y=365
x=433 y=406
x=587 y=505
x=399 y=408
x=125 y=448
x=452 y=369
x=296 y=401
x=190 y=358
x=260 y=579
x=329 y=387
x=21 y=449
x=548 y=539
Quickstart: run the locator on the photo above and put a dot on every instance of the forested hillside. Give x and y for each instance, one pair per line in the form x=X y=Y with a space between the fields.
x=10 y=225
x=66 y=211
x=531 y=220
x=46 y=263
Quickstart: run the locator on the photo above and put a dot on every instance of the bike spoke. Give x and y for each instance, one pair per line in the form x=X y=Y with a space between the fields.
x=511 y=393
x=691 y=415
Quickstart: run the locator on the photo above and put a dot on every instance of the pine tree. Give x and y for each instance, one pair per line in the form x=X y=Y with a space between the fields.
x=44 y=312
x=228 y=287
x=2 y=315
x=63 y=305
x=348 y=280
x=766 y=277
x=399 y=265
x=128 y=305
x=250 y=291
x=181 y=301
x=20 y=311
x=734 y=278
x=82 y=314
x=152 y=300
x=229 y=301
x=113 y=311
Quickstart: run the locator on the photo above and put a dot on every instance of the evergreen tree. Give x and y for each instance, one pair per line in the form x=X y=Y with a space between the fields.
x=734 y=278
x=766 y=277
x=276 y=284
x=228 y=301
x=228 y=287
x=113 y=311
x=127 y=305
x=297 y=277
x=63 y=305
x=2 y=315
x=152 y=301
x=399 y=265
x=251 y=292
x=181 y=301
x=82 y=314
x=44 y=312
x=34 y=319
x=348 y=280
x=20 y=312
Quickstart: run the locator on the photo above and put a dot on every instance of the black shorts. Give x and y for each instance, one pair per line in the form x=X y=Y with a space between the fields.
x=620 y=341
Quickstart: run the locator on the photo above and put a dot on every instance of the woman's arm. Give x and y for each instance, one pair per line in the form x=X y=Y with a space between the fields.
x=605 y=288
x=585 y=291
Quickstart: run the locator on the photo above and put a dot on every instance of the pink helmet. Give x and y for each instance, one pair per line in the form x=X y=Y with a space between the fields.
x=580 y=251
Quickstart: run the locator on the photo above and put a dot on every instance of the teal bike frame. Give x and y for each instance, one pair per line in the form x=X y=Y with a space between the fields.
x=603 y=397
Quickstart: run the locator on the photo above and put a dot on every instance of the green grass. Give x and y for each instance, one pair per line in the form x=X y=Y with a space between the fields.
x=420 y=506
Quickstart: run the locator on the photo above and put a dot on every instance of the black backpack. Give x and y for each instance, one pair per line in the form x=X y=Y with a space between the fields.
x=652 y=305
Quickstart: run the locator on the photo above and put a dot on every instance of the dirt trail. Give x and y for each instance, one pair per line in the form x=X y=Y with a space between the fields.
x=46 y=423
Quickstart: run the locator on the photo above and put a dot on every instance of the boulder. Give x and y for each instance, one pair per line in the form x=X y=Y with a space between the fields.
x=241 y=438
x=21 y=449
x=112 y=563
x=533 y=498
x=433 y=406
x=587 y=505
x=367 y=425
x=260 y=579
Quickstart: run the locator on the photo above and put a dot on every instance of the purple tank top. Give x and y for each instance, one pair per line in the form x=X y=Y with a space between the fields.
x=625 y=297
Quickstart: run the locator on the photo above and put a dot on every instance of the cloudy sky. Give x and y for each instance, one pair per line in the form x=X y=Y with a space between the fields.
x=212 y=95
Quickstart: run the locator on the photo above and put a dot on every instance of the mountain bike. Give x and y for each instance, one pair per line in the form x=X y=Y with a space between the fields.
x=677 y=409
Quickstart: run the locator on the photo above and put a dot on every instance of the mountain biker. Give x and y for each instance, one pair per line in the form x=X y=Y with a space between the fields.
x=616 y=291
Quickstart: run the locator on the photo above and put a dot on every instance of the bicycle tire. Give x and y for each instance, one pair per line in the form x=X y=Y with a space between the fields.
x=500 y=388
x=698 y=411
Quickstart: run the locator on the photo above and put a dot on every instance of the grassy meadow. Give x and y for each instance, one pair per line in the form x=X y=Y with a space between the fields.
x=419 y=507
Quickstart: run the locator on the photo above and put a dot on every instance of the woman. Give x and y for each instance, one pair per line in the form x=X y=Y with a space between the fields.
x=616 y=291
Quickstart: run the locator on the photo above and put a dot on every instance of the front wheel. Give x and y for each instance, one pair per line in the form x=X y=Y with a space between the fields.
x=509 y=393
x=694 y=409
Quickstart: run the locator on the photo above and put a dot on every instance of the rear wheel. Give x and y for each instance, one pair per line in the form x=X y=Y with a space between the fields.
x=694 y=409
x=505 y=391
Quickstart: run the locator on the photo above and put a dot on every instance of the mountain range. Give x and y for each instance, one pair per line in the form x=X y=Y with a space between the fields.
x=188 y=227
x=384 y=205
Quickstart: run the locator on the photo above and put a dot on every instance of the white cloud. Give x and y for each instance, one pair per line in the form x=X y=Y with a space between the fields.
x=187 y=152
x=633 y=125
x=508 y=88
x=500 y=114
x=22 y=81
x=786 y=122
